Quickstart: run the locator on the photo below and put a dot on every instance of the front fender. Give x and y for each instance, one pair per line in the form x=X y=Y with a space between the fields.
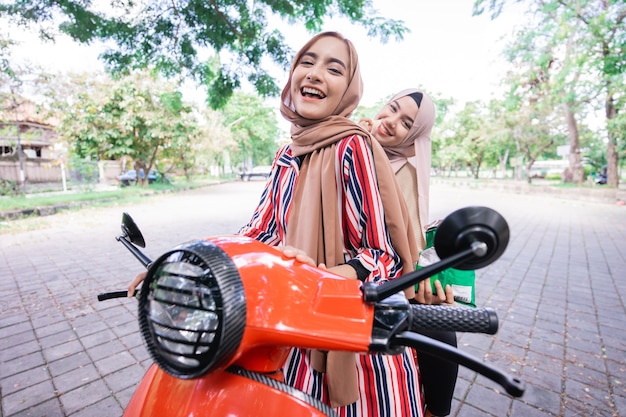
x=216 y=394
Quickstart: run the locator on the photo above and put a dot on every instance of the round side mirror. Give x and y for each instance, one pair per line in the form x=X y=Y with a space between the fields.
x=467 y=227
x=131 y=232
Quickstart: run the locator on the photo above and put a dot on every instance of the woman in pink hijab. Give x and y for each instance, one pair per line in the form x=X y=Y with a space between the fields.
x=403 y=127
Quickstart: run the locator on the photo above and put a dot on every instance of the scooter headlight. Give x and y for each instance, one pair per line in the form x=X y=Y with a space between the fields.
x=192 y=309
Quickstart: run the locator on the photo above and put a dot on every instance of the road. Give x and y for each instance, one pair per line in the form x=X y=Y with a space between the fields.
x=558 y=290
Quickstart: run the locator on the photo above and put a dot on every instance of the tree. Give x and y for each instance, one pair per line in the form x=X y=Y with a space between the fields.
x=598 y=30
x=215 y=145
x=140 y=117
x=173 y=35
x=530 y=128
x=498 y=141
x=254 y=128
x=15 y=82
x=469 y=134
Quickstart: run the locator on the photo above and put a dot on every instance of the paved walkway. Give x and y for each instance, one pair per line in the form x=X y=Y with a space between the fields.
x=559 y=290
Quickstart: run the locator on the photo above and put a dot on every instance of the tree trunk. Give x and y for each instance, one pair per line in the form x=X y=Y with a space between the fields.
x=529 y=177
x=575 y=173
x=503 y=160
x=612 y=159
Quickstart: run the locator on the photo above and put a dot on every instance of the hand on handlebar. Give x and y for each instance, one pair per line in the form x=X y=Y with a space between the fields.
x=138 y=280
x=425 y=294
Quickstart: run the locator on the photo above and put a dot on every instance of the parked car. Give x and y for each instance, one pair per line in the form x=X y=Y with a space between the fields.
x=130 y=177
x=261 y=171
x=601 y=176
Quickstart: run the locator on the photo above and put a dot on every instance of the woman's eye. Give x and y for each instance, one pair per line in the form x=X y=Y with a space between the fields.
x=335 y=71
x=393 y=108
x=306 y=63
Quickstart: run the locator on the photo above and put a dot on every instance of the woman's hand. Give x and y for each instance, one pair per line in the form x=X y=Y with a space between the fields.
x=297 y=254
x=342 y=270
x=425 y=294
x=138 y=279
x=369 y=124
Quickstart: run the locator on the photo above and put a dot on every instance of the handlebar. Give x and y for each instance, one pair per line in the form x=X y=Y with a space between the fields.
x=114 y=294
x=454 y=319
x=428 y=346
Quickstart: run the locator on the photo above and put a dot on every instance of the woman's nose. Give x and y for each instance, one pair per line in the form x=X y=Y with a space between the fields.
x=313 y=73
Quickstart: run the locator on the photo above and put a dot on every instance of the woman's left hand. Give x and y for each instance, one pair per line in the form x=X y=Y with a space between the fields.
x=425 y=294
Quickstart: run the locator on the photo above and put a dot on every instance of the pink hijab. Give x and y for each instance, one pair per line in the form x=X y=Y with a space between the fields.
x=415 y=149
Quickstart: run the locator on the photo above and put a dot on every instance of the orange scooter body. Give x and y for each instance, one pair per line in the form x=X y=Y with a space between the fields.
x=288 y=304
x=215 y=394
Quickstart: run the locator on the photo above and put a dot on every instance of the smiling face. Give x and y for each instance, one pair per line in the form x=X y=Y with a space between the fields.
x=394 y=121
x=320 y=78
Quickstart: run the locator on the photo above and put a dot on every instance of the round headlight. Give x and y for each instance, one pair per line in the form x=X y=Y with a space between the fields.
x=192 y=309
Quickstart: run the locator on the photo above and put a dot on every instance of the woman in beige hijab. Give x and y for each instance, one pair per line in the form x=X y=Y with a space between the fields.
x=332 y=194
x=403 y=127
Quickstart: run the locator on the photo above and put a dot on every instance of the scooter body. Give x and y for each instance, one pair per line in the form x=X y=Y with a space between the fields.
x=220 y=315
x=215 y=394
x=294 y=305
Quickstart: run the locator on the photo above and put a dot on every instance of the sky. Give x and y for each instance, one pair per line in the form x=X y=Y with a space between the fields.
x=448 y=52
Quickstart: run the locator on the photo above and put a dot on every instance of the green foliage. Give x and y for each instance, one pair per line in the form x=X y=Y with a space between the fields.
x=254 y=127
x=553 y=176
x=7 y=72
x=9 y=188
x=84 y=173
x=140 y=117
x=577 y=51
x=171 y=37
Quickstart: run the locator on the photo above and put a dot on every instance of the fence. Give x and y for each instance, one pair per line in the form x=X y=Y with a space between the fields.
x=45 y=171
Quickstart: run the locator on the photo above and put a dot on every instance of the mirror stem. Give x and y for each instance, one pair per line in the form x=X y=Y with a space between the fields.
x=375 y=292
x=145 y=261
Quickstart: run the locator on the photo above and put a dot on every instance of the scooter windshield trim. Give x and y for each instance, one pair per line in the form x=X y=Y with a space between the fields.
x=193 y=314
x=287 y=389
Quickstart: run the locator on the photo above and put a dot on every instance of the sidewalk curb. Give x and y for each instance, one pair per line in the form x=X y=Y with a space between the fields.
x=54 y=209
x=597 y=195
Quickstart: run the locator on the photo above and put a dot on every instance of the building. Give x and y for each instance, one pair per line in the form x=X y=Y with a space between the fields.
x=21 y=127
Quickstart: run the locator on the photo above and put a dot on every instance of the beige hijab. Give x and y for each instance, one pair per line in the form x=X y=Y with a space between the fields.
x=314 y=221
x=415 y=149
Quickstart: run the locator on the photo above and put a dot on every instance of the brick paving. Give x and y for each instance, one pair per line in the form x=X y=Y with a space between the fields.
x=558 y=290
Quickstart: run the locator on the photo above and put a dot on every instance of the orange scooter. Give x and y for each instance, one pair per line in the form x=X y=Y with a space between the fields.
x=219 y=316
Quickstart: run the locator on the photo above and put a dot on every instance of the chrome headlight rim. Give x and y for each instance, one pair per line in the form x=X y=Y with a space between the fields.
x=220 y=282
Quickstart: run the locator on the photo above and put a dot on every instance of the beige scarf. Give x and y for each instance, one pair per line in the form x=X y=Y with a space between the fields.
x=415 y=149
x=314 y=224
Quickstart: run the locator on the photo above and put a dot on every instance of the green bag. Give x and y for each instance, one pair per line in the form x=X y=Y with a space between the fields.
x=462 y=282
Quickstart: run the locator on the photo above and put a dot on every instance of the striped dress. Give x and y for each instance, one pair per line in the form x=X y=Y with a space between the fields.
x=387 y=384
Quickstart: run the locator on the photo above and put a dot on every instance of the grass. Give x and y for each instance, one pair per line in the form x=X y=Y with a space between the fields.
x=45 y=199
x=94 y=197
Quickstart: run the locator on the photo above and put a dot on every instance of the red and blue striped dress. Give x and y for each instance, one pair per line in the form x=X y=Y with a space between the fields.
x=387 y=383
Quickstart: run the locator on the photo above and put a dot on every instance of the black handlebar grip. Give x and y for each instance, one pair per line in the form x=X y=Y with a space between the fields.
x=115 y=294
x=454 y=319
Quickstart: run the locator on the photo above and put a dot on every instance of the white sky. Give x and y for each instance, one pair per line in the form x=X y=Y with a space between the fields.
x=448 y=52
